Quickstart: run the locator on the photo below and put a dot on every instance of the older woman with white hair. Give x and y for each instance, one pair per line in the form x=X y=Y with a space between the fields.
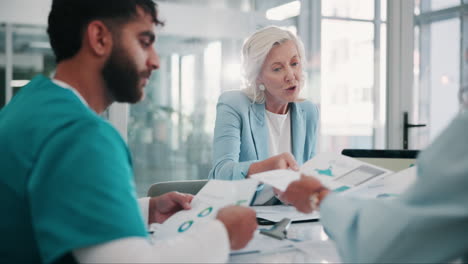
x=266 y=125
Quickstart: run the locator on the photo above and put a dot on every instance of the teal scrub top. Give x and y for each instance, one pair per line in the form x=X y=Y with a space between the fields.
x=66 y=179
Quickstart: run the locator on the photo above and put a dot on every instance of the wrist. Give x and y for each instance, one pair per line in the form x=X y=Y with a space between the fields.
x=254 y=168
x=317 y=197
x=151 y=211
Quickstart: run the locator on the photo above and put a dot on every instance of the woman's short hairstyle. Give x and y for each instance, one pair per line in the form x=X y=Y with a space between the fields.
x=254 y=52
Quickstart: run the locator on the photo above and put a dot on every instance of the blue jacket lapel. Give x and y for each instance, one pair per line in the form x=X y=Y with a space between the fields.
x=298 y=132
x=259 y=130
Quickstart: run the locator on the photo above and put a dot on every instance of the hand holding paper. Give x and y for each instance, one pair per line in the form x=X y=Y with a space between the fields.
x=279 y=162
x=205 y=205
x=336 y=172
x=299 y=194
x=164 y=206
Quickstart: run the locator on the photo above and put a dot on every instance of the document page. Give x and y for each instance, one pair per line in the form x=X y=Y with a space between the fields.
x=215 y=195
x=337 y=172
x=280 y=179
x=389 y=186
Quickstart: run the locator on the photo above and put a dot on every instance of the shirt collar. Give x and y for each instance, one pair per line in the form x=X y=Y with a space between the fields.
x=69 y=87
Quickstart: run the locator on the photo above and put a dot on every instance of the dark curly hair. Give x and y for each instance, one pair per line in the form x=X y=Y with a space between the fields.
x=69 y=18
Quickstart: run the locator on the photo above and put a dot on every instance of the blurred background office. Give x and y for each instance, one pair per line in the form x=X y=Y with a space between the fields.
x=369 y=63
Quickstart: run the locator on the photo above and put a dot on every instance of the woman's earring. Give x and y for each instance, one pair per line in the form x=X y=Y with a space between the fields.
x=261 y=87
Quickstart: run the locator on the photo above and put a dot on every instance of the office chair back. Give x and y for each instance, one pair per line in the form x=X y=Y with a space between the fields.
x=392 y=159
x=190 y=186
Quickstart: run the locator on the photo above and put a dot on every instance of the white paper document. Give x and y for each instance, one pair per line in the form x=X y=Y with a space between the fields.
x=310 y=249
x=280 y=179
x=389 y=186
x=215 y=195
x=276 y=213
x=337 y=172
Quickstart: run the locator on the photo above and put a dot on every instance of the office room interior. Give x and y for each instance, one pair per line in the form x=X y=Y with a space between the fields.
x=387 y=77
x=368 y=63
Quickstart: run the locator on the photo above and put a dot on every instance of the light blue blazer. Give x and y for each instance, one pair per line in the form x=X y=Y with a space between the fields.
x=241 y=134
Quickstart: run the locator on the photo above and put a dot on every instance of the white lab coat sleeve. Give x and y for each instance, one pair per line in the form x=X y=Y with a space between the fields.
x=426 y=224
x=144 y=208
x=208 y=244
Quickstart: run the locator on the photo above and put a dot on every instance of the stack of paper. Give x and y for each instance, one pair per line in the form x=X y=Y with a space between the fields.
x=276 y=213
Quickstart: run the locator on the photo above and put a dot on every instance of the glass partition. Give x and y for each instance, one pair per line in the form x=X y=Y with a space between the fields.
x=170 y=132
x=434 y=5
x=32 y=55
x=439 y=66
x=437 y=78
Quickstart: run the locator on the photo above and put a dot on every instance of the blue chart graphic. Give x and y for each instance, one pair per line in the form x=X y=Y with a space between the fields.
x=327 y=172
x=205 y=212
x=386 y=195
x=185 y=226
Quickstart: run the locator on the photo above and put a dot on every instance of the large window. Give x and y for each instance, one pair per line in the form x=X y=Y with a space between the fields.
x=440 y=57
x=24 y=52
x=353 y=37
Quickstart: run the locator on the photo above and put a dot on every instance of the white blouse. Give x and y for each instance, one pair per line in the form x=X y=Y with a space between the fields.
x=279 y=141
x=279 y=128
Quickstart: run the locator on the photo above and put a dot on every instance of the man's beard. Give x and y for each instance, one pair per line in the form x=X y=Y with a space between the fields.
x=122 y=78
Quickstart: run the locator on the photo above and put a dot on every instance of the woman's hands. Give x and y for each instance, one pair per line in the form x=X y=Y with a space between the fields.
x=282 y=161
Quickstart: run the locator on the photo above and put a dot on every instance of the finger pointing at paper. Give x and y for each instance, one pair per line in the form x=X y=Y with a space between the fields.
x=282 y=161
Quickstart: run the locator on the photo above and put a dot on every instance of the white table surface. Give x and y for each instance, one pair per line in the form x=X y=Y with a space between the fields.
x=315 y=247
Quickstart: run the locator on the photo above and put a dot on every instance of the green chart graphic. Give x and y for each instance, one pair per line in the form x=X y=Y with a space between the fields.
x=341 y=189
x=326 y=172
x=205 y=212
x=185 y=226
x=240 y=202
